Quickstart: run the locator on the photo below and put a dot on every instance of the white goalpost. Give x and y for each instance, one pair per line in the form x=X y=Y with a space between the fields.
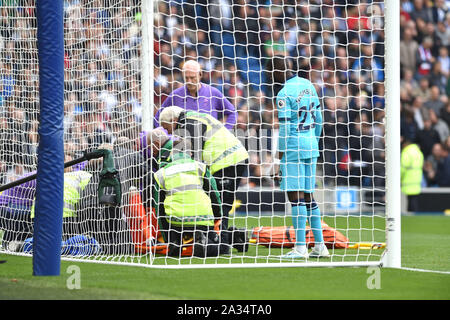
x=147 y=65
x=392 y=257
x=124 y=60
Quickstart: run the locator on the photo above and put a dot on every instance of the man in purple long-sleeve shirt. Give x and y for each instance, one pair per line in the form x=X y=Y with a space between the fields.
x=200 y=97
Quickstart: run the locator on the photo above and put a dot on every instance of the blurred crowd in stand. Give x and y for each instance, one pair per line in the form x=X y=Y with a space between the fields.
x=337 y=44
x=425 y=85
x=102 y=99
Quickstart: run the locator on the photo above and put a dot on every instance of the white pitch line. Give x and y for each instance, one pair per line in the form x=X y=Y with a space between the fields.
x=425 y=270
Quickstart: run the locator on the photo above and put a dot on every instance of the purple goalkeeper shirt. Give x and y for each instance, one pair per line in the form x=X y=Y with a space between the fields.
x=19 y=196
x=209 y=100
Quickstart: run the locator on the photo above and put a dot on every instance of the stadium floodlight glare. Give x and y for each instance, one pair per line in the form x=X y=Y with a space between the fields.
x=122 y=59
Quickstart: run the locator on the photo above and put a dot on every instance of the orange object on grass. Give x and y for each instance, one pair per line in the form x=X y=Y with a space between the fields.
x=284 y=236
x=143 y=225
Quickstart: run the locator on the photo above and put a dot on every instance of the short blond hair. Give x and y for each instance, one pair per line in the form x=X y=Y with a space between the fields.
x=169 y=114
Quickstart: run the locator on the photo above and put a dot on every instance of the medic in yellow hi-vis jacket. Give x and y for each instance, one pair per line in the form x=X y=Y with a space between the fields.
x=74 y=184
x=411 y=164
x=183 y=197
x=217 y=147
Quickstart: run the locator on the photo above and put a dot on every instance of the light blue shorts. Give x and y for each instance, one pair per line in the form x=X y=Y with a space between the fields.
x=298 y=175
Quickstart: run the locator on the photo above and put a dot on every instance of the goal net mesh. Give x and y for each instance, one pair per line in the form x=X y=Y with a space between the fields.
x=337 y=45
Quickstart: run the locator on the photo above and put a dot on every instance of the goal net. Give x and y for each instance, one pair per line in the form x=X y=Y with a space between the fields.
x=125 y=58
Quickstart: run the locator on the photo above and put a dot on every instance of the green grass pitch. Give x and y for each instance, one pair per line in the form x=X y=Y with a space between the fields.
x=425 y=242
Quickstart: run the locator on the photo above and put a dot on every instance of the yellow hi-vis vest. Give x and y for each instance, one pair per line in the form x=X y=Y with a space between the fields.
x=74 y=183
x=411 y=169
x=221 y=148
x=186 y=203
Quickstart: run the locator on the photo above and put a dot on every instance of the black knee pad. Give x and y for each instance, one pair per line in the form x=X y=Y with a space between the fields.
x=238 y=239
x=206 y=244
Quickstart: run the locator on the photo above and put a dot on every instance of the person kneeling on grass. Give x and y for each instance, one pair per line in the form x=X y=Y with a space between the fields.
x=185 y=193
x=213 y=144
x=17 y=208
